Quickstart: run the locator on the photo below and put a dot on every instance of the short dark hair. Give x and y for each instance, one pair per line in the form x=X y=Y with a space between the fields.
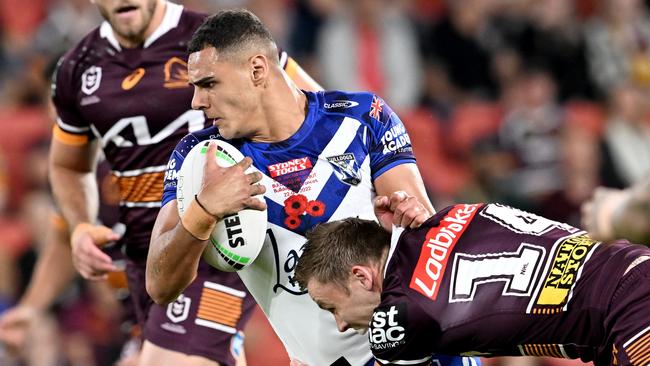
x=230 y=30
x=333 y=248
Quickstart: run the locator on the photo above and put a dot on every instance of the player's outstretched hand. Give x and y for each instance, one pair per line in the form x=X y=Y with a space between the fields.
x=400 y=209
x=598 y=213
x=226 y=191
x=14 y=328
x=89 y=260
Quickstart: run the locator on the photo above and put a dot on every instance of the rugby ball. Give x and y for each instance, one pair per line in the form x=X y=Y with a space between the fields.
x=237 y=239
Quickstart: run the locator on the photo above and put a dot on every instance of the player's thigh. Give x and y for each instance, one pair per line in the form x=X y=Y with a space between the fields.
x=152 y=355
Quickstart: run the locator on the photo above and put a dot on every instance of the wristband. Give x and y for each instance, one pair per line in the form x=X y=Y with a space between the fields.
x=196 y=198
x=198 y=222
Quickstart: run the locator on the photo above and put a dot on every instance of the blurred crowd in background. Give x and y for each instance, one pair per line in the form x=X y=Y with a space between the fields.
x=531 y=103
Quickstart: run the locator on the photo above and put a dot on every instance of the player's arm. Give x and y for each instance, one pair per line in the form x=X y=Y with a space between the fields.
x=52 y=274
x=612 y=213
x=176 y=244
x=396 y=190
x=71 y=170
x=632 y=219
x=54 y=258
x=393 y=167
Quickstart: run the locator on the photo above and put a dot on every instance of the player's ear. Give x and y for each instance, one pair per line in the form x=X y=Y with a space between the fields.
x=364 y=276
x=259 y=69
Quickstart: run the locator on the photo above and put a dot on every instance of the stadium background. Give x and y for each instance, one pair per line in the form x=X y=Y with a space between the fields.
x=528 y=102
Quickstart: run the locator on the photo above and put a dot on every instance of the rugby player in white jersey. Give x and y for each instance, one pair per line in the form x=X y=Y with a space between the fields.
x=322 y=156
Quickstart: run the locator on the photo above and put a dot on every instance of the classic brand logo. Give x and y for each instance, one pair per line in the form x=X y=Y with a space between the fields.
x=290 y=166
x=133 y=79
x=571 y=256
x=341 y=104
x=437 y=247
x=90 y=79
x=387 y=327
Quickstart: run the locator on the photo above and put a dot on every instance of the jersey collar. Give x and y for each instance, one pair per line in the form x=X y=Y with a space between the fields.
x=170 y=21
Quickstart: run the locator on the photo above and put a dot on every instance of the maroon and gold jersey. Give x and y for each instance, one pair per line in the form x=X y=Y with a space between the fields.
x=137 y=104
x=491 y=280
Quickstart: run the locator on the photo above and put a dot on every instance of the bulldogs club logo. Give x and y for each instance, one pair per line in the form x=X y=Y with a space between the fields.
x=346 y=168
x=90 y=79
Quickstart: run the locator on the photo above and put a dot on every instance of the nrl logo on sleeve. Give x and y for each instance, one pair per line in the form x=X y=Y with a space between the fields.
x=90 y=79
x=346 y=168
x=387 y=327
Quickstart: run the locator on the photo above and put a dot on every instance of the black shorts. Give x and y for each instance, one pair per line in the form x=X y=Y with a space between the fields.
x=206 y=320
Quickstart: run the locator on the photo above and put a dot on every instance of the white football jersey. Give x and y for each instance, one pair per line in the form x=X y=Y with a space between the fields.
x=324 y=172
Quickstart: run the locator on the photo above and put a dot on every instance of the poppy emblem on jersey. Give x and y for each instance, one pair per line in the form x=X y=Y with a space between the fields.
x=292 y=222
x=133 y=79
x=376 y=107
x=346 y=168
x=90 y=79
x=176 y=74
x=297 y=205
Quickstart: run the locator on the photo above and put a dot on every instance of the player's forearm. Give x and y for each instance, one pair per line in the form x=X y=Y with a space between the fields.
x=632 y=219
x=54 y=258
x=172 y=263
x=75 y=193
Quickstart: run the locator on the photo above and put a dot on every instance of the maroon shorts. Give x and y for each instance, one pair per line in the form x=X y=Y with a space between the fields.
x=206 y=320
x=629 y=320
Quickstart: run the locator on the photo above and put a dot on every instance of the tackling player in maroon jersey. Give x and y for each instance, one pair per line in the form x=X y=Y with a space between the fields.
x=482 y=279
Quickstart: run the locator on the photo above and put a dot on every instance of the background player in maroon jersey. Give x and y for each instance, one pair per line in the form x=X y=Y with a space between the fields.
x=124 y=88
x=482 y=279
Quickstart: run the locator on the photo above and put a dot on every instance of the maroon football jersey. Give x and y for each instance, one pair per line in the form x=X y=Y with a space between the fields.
x=491 y=280
x=137 y=103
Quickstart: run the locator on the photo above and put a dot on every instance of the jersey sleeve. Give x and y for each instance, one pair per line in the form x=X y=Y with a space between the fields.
x=390 y=144
x=174 y=166
x=400 y=333
x=70 y=128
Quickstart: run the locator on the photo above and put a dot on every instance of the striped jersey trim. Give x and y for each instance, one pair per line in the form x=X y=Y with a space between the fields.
x=69 y=138
x=146 y=187
x=220 y=307
x=134 y=172
x=542 y=350
x=70 y=128
x=638 y=348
